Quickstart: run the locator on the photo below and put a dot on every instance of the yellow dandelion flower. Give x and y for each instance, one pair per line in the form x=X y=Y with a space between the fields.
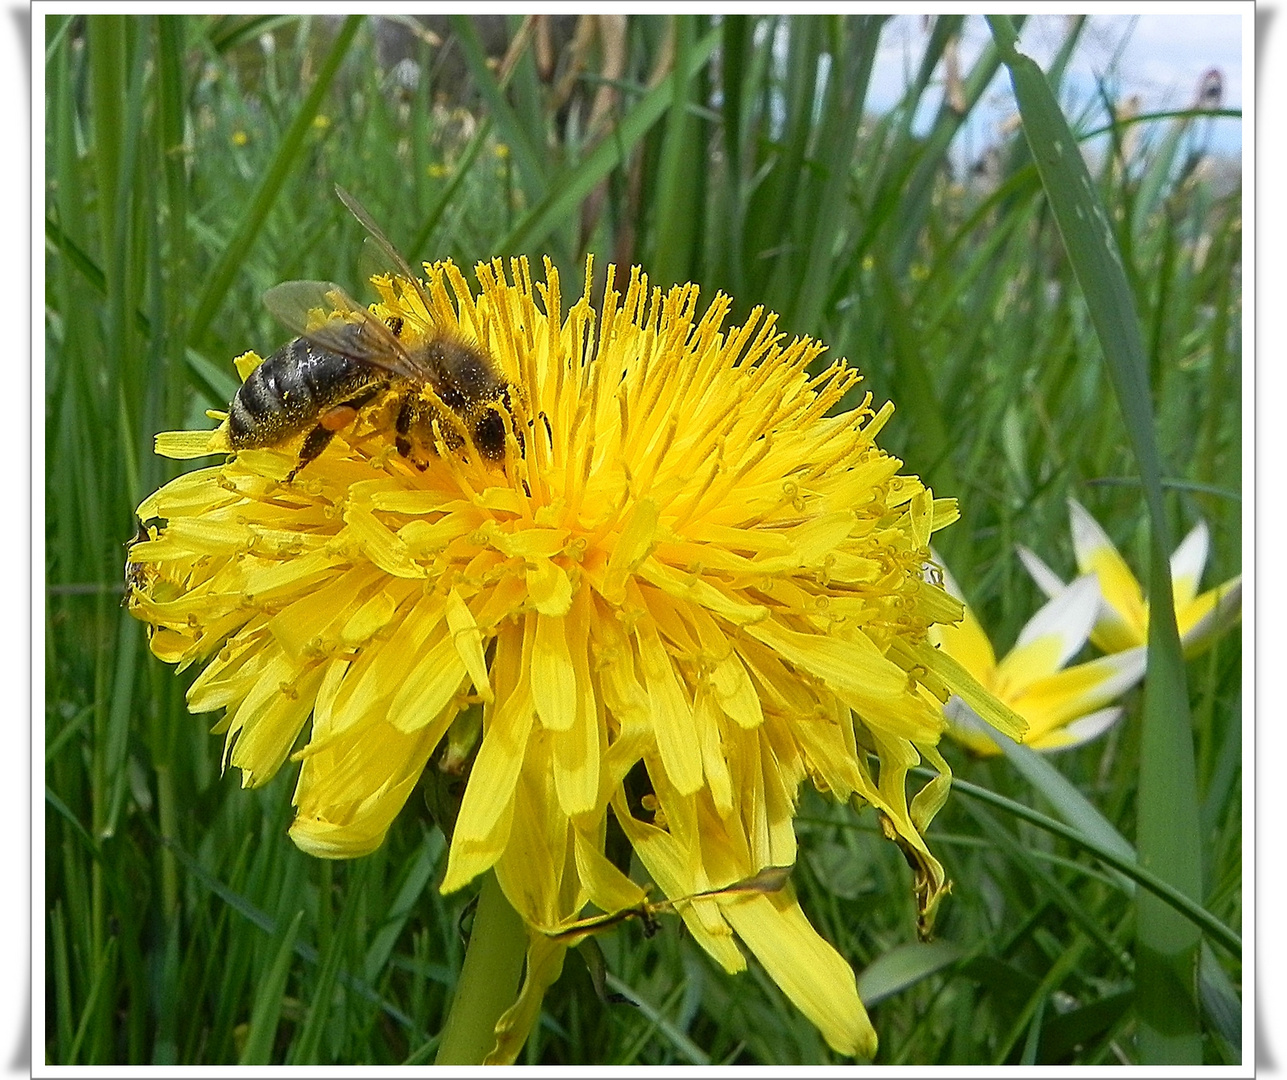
x=685 y=576
x=240 y=138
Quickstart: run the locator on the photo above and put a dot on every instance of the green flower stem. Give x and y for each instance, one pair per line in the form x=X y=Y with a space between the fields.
x=489 y=979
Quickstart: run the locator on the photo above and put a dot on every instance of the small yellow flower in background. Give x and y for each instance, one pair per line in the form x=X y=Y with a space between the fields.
x=240 y=138
x=1064 y=706
x=684 y=569
x=1122 y=621
x=321 y=121
x=437 y=170
x=501 y=150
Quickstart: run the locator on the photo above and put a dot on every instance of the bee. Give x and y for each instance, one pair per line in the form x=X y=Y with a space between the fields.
x=136 y=573
x=317 y=382
x=141 y=575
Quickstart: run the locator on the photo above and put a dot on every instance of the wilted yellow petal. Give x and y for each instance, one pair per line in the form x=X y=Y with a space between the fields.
x=544 y=966
x=811 y=973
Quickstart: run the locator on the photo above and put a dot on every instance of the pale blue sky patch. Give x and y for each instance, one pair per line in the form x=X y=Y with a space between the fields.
x=1162 y=58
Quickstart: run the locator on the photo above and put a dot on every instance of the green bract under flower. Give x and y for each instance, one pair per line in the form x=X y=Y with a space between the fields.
x=686 y=571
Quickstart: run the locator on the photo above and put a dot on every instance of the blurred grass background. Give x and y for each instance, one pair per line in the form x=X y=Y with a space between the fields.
x=190 y=165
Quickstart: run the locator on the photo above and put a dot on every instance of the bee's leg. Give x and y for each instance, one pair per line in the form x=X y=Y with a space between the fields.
x=314 y=443
x=415 y=430
x=406 y=415
x=489 y=435
x=334 y=419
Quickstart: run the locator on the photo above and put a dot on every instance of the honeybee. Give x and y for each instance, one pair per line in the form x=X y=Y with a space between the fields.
x=317 y=382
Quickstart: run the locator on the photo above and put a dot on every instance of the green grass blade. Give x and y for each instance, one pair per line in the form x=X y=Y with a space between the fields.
x=907 y=171
x=286 y=159
x=828 y=206
x=228 y=31
x=1168 y=806
x=322 y=1006
x=527 y=147
x=56 y=29
x=171 y=117
x=120 y=714
x=1167 y=894
x=915 y=385
x=1069 y=803
x=264 y=922
x=903 y=967
x=103 y=970
x=568 y=189
x=417 y=875
x=1035 y=1006
x=61 y=977
x=1047 y=885
x=913 y=195
x=106 y=47
x=1220 y=1003
x=60 y=243
x=270 y=997
x=788 y=130
x=735 y=102
x=449 y=191
x=677 y=216
x=684 y=1047
x=1067 y=1032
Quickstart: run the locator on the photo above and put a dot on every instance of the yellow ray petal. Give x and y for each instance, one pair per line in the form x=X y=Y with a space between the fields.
x=810 y=972
x=670 y=710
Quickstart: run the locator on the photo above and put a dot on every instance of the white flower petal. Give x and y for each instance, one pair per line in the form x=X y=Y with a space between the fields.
x=1081 y=730
x=1069 y=617
x=1187 y=563
x=1227 y=610
x=969 y=729
x=1123 y=616
x=1087 y=535
x=959 y=713
x=1047 y=580
x=1127 y=668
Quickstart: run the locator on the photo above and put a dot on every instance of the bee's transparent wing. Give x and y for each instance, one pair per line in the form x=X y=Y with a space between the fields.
x=304 y=306
x=378 y=252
